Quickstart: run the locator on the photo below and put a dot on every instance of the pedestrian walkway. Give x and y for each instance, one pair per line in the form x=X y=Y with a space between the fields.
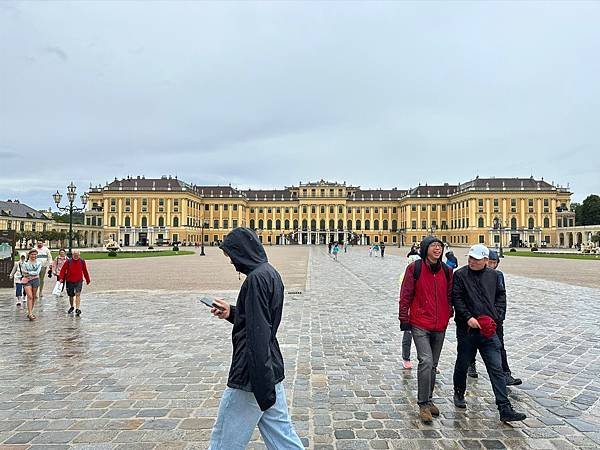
x=146 y=368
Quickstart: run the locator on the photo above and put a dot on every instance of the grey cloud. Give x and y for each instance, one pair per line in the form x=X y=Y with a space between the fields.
x=58 y=52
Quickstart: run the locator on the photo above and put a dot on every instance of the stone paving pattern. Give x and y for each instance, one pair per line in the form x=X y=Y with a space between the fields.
x=145 y=369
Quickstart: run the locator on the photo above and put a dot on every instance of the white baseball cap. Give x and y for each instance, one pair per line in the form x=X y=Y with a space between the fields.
x=479 y=251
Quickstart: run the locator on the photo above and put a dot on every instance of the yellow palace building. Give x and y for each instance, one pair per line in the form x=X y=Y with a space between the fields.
x=515 y=211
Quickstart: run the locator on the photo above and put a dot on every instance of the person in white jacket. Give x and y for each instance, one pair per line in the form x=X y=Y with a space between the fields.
x=16 y=274
x=44 y=257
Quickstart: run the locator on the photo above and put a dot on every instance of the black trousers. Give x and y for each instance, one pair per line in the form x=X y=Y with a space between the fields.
x=500 y=333
x=469 y=340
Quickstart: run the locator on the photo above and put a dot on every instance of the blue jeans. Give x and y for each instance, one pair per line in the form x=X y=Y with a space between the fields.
x=238 y=416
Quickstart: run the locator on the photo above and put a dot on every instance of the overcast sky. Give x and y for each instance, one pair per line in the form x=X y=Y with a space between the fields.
x=268 y=94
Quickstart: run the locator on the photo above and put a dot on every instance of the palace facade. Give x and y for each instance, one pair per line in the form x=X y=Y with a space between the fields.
x=510 y=211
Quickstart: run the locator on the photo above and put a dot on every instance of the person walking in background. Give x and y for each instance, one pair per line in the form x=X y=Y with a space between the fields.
x=31 y=280
x=16 y=274
x=425 y=309
x=255 y=394
x=72 y=273
x=345 y=246
x=58 y=263
x=382 y=249
x=414 y=250
x=44 y=257
x=451 y=260
x=329 y=246
x=335 y=250
x=479 y=300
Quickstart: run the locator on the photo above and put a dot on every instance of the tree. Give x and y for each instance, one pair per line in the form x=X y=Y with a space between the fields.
x=64 y=218
x=590 y=210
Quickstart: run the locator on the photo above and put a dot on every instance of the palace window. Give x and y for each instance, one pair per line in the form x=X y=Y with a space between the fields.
x=225 y=208
x=216 y=223
x=113 y=222
x=433 y=207
x=175 y=221
x=413 y=208
x=546 y=222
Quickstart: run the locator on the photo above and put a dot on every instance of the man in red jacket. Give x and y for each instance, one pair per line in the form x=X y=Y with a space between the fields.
x=73 y=273
x=426 y=309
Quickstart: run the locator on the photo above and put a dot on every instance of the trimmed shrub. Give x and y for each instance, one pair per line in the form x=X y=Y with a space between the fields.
x=175 y=248
x=513 y=250
x=112 y=253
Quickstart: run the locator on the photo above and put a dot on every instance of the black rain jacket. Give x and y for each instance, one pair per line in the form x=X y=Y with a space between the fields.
x=478 y=293
x=257 y=364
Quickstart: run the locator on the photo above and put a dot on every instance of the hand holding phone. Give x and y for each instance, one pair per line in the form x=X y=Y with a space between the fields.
x=210 y=302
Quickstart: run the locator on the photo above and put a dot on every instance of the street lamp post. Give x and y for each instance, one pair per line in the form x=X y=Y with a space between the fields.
x=204 y=225
x=498 y=226
x=71 y=194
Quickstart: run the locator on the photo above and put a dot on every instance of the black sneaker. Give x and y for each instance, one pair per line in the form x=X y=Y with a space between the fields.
x=459 y=400
x=472 y=371
x=511 y=381
x=77 y=312
x=70 y=311
x=508 y=414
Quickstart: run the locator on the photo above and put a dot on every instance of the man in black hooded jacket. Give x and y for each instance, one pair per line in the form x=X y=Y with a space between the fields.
x=254 y=394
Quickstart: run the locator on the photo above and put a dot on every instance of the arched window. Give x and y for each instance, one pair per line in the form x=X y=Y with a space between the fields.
x=376 y=224
x=313 y=224
x=530 y=223
x=269 y=224
x=331 y=224
x=144 y=222
x=513 y=223
x=286 y=224
x=305 y=224
x=340 y=224
x=394 y=225
x=252 y=223
x=113 y=221
x=261 y=224
x=295 y=224
x=367 y=225
x=127 y=221
x=176 y=221
x=385 y=225
x=546 y=222
x=322 y=224
x=278 y=224
x=357 y=225
x=161 y=221
x=480 y=222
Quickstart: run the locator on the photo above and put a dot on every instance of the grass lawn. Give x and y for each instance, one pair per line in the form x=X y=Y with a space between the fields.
x=122 y=255
x=553 y=255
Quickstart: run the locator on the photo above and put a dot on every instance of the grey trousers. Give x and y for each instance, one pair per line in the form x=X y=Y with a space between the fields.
x=429 y=347
x=42 y=278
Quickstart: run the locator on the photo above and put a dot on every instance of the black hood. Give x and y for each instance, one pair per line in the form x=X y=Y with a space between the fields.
x=425 y=243
x=245 y=250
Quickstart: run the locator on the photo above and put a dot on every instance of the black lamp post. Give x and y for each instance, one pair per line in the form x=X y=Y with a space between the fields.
x=204 y=225
x=71 y=194
x=498 y=226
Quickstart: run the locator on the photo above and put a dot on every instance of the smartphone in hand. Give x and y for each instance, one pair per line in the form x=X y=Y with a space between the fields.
x=209 y=301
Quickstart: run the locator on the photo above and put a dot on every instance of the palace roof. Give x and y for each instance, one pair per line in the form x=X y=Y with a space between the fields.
x=13 y=208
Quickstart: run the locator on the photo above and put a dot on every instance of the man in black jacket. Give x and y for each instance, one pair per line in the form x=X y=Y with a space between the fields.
x=479 y=300
x=255 y=393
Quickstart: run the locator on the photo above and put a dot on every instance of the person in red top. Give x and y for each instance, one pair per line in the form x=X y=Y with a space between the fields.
x=73 y=272
x=425 y=309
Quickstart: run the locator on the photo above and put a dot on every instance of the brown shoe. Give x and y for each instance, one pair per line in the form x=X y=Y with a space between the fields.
x=435 y=412
x=425 y=414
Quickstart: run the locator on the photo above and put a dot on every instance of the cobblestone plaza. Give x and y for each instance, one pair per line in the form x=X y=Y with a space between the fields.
x=145 y=364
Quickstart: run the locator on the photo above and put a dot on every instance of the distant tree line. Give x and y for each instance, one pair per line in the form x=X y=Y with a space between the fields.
x=588 y=212
x=28 y=238
x=64 y=218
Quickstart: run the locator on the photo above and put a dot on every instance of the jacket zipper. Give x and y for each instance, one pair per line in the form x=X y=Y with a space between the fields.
x=436 y=301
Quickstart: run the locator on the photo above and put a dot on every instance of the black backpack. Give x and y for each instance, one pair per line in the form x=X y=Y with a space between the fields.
x=419 y=265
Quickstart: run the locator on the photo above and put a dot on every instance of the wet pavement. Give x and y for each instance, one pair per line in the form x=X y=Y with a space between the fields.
x=146 y=368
